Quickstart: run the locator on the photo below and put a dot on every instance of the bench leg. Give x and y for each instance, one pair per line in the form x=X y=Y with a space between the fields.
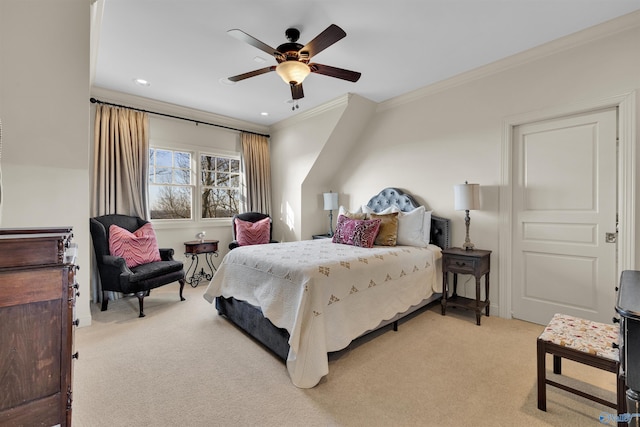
x=557 y=364
x=541 y=367
x=621 y=393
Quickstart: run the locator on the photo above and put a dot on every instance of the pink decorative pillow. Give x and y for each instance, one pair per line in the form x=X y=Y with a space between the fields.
x=356 y=232
x=139 y=247
x=253 y=233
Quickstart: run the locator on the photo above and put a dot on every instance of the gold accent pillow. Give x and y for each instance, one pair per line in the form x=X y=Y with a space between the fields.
x=388 y=233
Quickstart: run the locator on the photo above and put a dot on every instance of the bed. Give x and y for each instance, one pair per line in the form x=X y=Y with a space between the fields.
x=305 y=299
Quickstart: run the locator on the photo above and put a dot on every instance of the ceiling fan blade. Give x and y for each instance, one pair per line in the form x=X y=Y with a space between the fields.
x=252 y=73
x=296 y=91
x=332 y=34
x=242 y=36
x=339 y=73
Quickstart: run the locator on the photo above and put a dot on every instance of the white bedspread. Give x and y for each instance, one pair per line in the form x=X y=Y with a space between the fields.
x=325 y=294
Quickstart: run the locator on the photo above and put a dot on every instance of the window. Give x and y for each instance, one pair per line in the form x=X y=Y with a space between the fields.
x=170 y=189
x=220 y=186
x=172 y=185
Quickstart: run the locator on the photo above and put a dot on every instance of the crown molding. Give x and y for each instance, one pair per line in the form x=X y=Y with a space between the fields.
x=173 y=109
x=341 y=101
x=588 y=35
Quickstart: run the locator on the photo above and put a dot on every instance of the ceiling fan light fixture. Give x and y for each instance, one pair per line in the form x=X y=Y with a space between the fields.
x=293 y=71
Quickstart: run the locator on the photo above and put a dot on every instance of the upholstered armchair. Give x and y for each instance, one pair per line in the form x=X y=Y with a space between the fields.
x=117 y=276
x=243 y=236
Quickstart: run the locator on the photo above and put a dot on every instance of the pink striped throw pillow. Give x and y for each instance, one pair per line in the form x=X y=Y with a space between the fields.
x=253 y=233
x=139 y=247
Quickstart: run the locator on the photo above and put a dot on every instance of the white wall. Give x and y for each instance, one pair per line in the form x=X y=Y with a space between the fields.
x=300 y=141
x=44 y=93
x=430 y=140
x=306 y=160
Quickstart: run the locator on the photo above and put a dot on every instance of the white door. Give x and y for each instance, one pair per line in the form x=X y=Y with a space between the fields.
x=564 y=203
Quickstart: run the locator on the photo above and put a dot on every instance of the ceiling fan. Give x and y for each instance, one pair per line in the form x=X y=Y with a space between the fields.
x=293 y=58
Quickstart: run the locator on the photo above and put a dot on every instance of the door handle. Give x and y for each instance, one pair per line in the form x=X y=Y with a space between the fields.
x=610 y=237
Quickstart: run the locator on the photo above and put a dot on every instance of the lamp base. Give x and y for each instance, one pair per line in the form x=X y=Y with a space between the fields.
x=330 y=223
x=467 y=246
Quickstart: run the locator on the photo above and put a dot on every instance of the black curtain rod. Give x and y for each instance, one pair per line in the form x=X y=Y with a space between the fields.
x=197 y=122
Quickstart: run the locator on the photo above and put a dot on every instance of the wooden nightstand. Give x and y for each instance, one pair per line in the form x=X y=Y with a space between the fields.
x=476 y=262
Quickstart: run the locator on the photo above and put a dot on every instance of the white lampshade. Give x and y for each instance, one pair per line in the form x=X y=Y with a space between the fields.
x=293 y=71
x=330 y=201
x=467 y=197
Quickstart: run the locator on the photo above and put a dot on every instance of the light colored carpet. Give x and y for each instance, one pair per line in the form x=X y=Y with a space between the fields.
x=184 y=365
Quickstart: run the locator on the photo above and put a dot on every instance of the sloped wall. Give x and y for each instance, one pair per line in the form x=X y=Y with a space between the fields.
x=307 y=152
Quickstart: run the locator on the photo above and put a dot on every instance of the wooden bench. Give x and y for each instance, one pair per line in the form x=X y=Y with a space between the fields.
x=585 y=342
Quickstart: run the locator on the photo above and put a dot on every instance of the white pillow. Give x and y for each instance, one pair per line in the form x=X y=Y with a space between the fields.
x=426 y=227
x=343 y=211
x=391 y=209
x=410 y=228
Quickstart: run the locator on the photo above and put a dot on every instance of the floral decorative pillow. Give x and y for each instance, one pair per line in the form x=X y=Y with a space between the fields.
x=253 y=233
x=356 y=232
x=137 y=248
x=388 y=233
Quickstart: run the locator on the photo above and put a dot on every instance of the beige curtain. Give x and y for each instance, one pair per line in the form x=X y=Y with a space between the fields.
x=120 y=169
x=257 y=168
x=120 y=162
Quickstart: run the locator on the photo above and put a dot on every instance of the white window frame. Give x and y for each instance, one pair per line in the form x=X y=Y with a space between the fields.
x=201 y=186
x=196 y=185
x=174 y=167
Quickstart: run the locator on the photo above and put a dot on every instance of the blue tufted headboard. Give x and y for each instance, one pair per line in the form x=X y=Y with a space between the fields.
x=440 y=227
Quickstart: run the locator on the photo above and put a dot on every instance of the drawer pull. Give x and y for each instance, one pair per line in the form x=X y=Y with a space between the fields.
x=460 y=264
x=616 y=320
x=75 y=355
x=615 y=345
x=76 y=322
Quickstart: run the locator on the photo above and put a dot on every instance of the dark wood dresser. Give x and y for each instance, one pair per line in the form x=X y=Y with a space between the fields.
x=628 y=307
x=37 y=300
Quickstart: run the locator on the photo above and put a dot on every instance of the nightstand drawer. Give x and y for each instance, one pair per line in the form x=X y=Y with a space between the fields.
x=460 y=264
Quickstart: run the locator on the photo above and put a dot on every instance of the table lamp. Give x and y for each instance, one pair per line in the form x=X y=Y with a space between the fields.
x=467 y=198
x=330 y=203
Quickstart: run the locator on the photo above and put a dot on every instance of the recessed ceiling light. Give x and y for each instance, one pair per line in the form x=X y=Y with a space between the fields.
x=141 y=82
x=264 y=113
x=259 y=60
x=226 y=81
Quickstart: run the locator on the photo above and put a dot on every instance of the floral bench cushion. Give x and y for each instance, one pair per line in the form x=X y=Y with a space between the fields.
x=582 y=335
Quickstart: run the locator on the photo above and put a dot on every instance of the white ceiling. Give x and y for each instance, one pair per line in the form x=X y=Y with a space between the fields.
x=182 y=47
